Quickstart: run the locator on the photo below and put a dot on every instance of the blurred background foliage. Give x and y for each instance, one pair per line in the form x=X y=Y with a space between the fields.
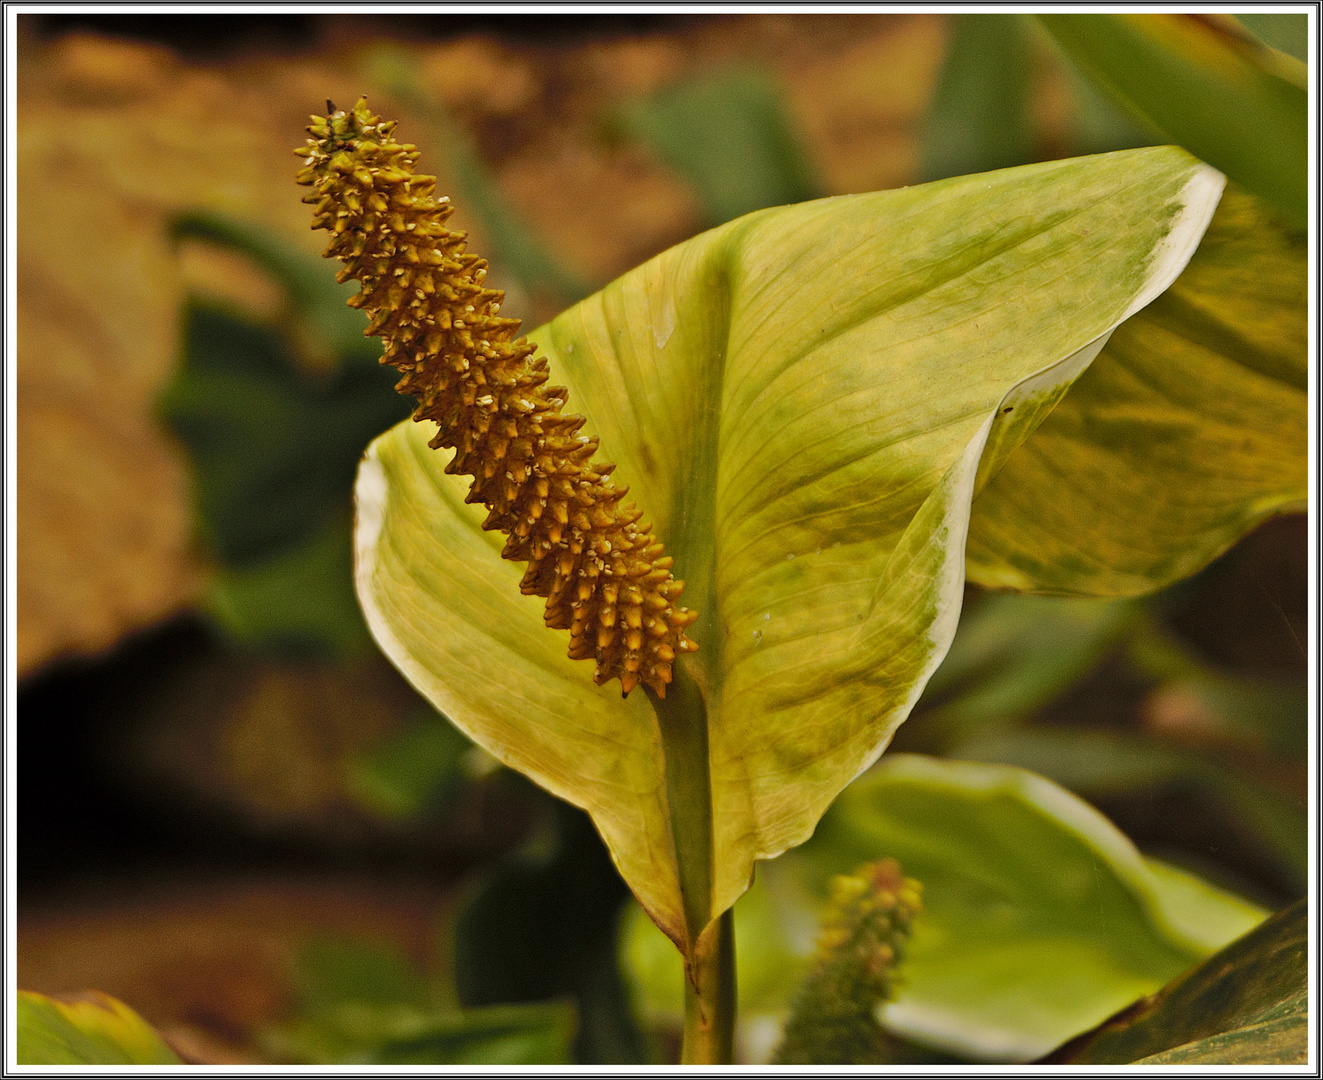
x=204 y=715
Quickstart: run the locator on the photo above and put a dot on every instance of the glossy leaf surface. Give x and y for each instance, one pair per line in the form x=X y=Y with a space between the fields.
x=1039 y=917
x=1189 y=429
x=804 y=402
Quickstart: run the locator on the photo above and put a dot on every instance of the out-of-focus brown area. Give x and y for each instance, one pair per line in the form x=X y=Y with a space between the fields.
x=209 y=964
x=115 y=136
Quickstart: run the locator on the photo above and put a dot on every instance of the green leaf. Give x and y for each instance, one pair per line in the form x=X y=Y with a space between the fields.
x=1039 y=918
x=545 y=927
x=334 y=330
x=89 y=1029
x=273 y=450
x=1100 y=764
x=301 y=598
x=356 y=1032
x=332 y=971
x=1210 y=87
x=421 y=766
x=1012 y=655
x=979 y=118
x=803 y=402
x=1289 y=33
x=728 y=134
x=364 y=1002
x=1188 y=430
x=1247 y=1005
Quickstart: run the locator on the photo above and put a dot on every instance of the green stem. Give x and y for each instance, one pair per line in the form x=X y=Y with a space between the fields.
x=709 y=1000
x=710 y=953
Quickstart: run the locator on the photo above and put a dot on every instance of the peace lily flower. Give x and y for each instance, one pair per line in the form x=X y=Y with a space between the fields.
x=806 y=401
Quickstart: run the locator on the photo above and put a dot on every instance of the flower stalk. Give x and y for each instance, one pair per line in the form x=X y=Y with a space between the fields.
x=605 y=578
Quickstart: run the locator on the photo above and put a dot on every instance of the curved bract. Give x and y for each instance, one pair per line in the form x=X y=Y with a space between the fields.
x=804 y=401
x=1189 y=430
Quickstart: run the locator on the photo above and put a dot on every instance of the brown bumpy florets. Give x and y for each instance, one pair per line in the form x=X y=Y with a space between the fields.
x=605 y=579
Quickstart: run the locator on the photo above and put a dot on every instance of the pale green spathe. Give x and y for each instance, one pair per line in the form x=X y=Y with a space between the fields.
x=804 y=402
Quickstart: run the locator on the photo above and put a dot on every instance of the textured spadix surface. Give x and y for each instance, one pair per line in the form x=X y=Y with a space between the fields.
x=804 y=402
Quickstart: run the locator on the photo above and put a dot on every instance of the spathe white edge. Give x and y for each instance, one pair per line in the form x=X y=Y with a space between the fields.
x=1200 y=197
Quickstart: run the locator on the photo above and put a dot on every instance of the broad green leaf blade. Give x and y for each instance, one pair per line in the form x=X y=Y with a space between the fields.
x=90 y=1029
x=331 y=971
x=1189 y=430
x=804 y=402
x=1247 y=1005
x=1209 y=86
x=1287 y=32
x=422 y=767
x=364 y=1002
x=1039 y=917
x=1013 y=655
x=1098 y=764
x=302 y=598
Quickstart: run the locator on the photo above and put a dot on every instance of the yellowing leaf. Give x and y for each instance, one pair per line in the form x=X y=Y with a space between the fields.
x=801 y=401
x=1188 y=430
x=90 y=1029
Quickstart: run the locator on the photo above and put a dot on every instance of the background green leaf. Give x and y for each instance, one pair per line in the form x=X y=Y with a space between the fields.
x=364 y=1002
x=317 y=302
x=302 y=595
x=1247 y=1005
x=1097 y=763
x=89 y=1029
x=421 y=767
x=843 y=371
x=1188 y=430
x=541 y=927
x=1210 y=87
x=729 y=136
x=1287 y=32
x=979 y=118
x=273 y=448
x=274 y=442
x=1039 y=917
